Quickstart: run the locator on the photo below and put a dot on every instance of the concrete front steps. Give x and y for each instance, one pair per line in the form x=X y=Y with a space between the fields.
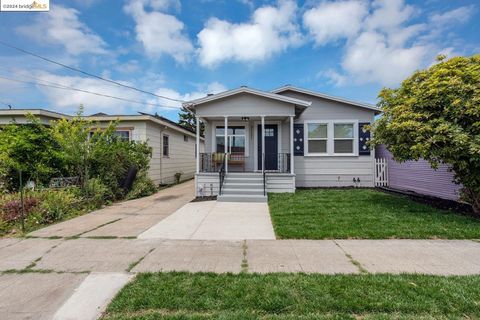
x=243 y=187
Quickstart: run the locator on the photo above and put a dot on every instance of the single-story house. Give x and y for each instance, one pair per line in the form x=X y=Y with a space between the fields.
x=173 y=146
x=280 y=140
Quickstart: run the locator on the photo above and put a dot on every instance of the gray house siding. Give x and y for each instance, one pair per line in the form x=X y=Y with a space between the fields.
x=332 y=171
x=418 y=176
x=245 y=104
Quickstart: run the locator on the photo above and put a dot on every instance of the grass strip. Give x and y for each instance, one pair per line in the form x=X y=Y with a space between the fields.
x=296 y=296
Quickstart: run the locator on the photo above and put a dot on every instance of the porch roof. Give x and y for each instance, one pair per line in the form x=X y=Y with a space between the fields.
x=297 y=102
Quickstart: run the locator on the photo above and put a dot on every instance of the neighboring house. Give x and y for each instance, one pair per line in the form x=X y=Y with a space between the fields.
x=324 y=133
x=173 y=146
x=418 y=176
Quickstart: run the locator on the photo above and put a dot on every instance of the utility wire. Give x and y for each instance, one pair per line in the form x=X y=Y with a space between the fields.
x=57 y=86
x=6 y=104
x=87 y=73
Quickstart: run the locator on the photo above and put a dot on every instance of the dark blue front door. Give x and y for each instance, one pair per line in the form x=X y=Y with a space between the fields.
x=271 y=147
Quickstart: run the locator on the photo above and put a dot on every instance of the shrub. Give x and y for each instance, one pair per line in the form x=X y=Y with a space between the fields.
x=56 y=204
x=142 y=186
x=97 y=191
x=11 y=211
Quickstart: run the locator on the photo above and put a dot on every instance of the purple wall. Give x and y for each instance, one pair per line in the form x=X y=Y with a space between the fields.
x=419 y=177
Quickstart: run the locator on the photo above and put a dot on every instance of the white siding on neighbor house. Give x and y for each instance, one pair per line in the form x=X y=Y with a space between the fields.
x=153 y=136
x=8 y=119
x=332 y=171
x=181 y=156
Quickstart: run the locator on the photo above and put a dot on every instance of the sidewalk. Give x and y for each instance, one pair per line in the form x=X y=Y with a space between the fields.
x=51 y=278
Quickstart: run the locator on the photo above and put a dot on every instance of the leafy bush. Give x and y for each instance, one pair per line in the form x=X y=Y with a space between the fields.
x=31 y=149
x=56 y=204
x=434 y=115
x=142 y=186
x=95 y=190
x=11 y=211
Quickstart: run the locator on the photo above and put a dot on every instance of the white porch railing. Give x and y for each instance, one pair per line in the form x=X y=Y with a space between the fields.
x=381 y=172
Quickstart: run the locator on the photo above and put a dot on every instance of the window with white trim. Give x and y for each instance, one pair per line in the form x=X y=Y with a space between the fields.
x=236 y=139
x=331 y=138
x=317 y=138
x=166 y=146
x=343 y=138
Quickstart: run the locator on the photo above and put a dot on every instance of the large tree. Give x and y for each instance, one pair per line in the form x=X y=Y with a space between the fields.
x=435 y=115
x=188 y=121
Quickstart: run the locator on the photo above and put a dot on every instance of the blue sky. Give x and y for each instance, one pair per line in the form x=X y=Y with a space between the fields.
x=186 y=49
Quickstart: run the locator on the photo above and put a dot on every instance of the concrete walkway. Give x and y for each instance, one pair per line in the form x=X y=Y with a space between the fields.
x=212 y=220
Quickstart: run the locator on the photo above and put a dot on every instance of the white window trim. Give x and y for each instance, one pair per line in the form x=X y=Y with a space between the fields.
x=232 y=124
x=331 y=138
x=163 y=154
x=306 y=138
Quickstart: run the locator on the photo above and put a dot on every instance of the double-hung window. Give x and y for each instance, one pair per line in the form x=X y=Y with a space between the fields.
x=330 y=138
x=317 y=138
x=166 y=146
x=236 y=139
x=343 y=138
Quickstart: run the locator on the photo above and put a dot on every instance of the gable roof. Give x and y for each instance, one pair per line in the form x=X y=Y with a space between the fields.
x=244 y=89
x=326 y=96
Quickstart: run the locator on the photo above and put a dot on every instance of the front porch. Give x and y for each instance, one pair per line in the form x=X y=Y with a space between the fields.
x=248 y=159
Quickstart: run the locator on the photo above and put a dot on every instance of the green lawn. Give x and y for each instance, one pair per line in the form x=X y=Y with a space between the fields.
x=363 y=214
x=296 y=296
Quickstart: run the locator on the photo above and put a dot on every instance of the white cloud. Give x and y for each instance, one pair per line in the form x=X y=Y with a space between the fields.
x=272 y=29
x=333 y=77
x=202 y=91
x=458 y=15
x=160 y=33
x=330 y=21
x=380 y=46
x=68 y=101
x=370 y=59
x=62 y=26
x=388 y=14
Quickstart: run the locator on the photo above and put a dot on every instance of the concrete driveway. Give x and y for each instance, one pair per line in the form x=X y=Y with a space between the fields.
x=212 y=220
x=123 y=219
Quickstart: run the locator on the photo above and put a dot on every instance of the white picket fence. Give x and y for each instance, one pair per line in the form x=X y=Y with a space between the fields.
x=381 y=172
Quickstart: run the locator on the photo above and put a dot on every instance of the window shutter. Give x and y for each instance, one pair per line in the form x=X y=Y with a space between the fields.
x=298 y=137
x=363 y=138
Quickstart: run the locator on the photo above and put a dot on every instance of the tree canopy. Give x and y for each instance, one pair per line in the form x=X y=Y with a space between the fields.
x=435 y=115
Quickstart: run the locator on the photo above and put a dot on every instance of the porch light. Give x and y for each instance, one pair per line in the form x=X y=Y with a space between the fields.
x=245 y=118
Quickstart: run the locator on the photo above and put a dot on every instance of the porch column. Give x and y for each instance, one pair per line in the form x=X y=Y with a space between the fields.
x=263 y=143
x=291 y=145
x=198 y=144
x=226 y=143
